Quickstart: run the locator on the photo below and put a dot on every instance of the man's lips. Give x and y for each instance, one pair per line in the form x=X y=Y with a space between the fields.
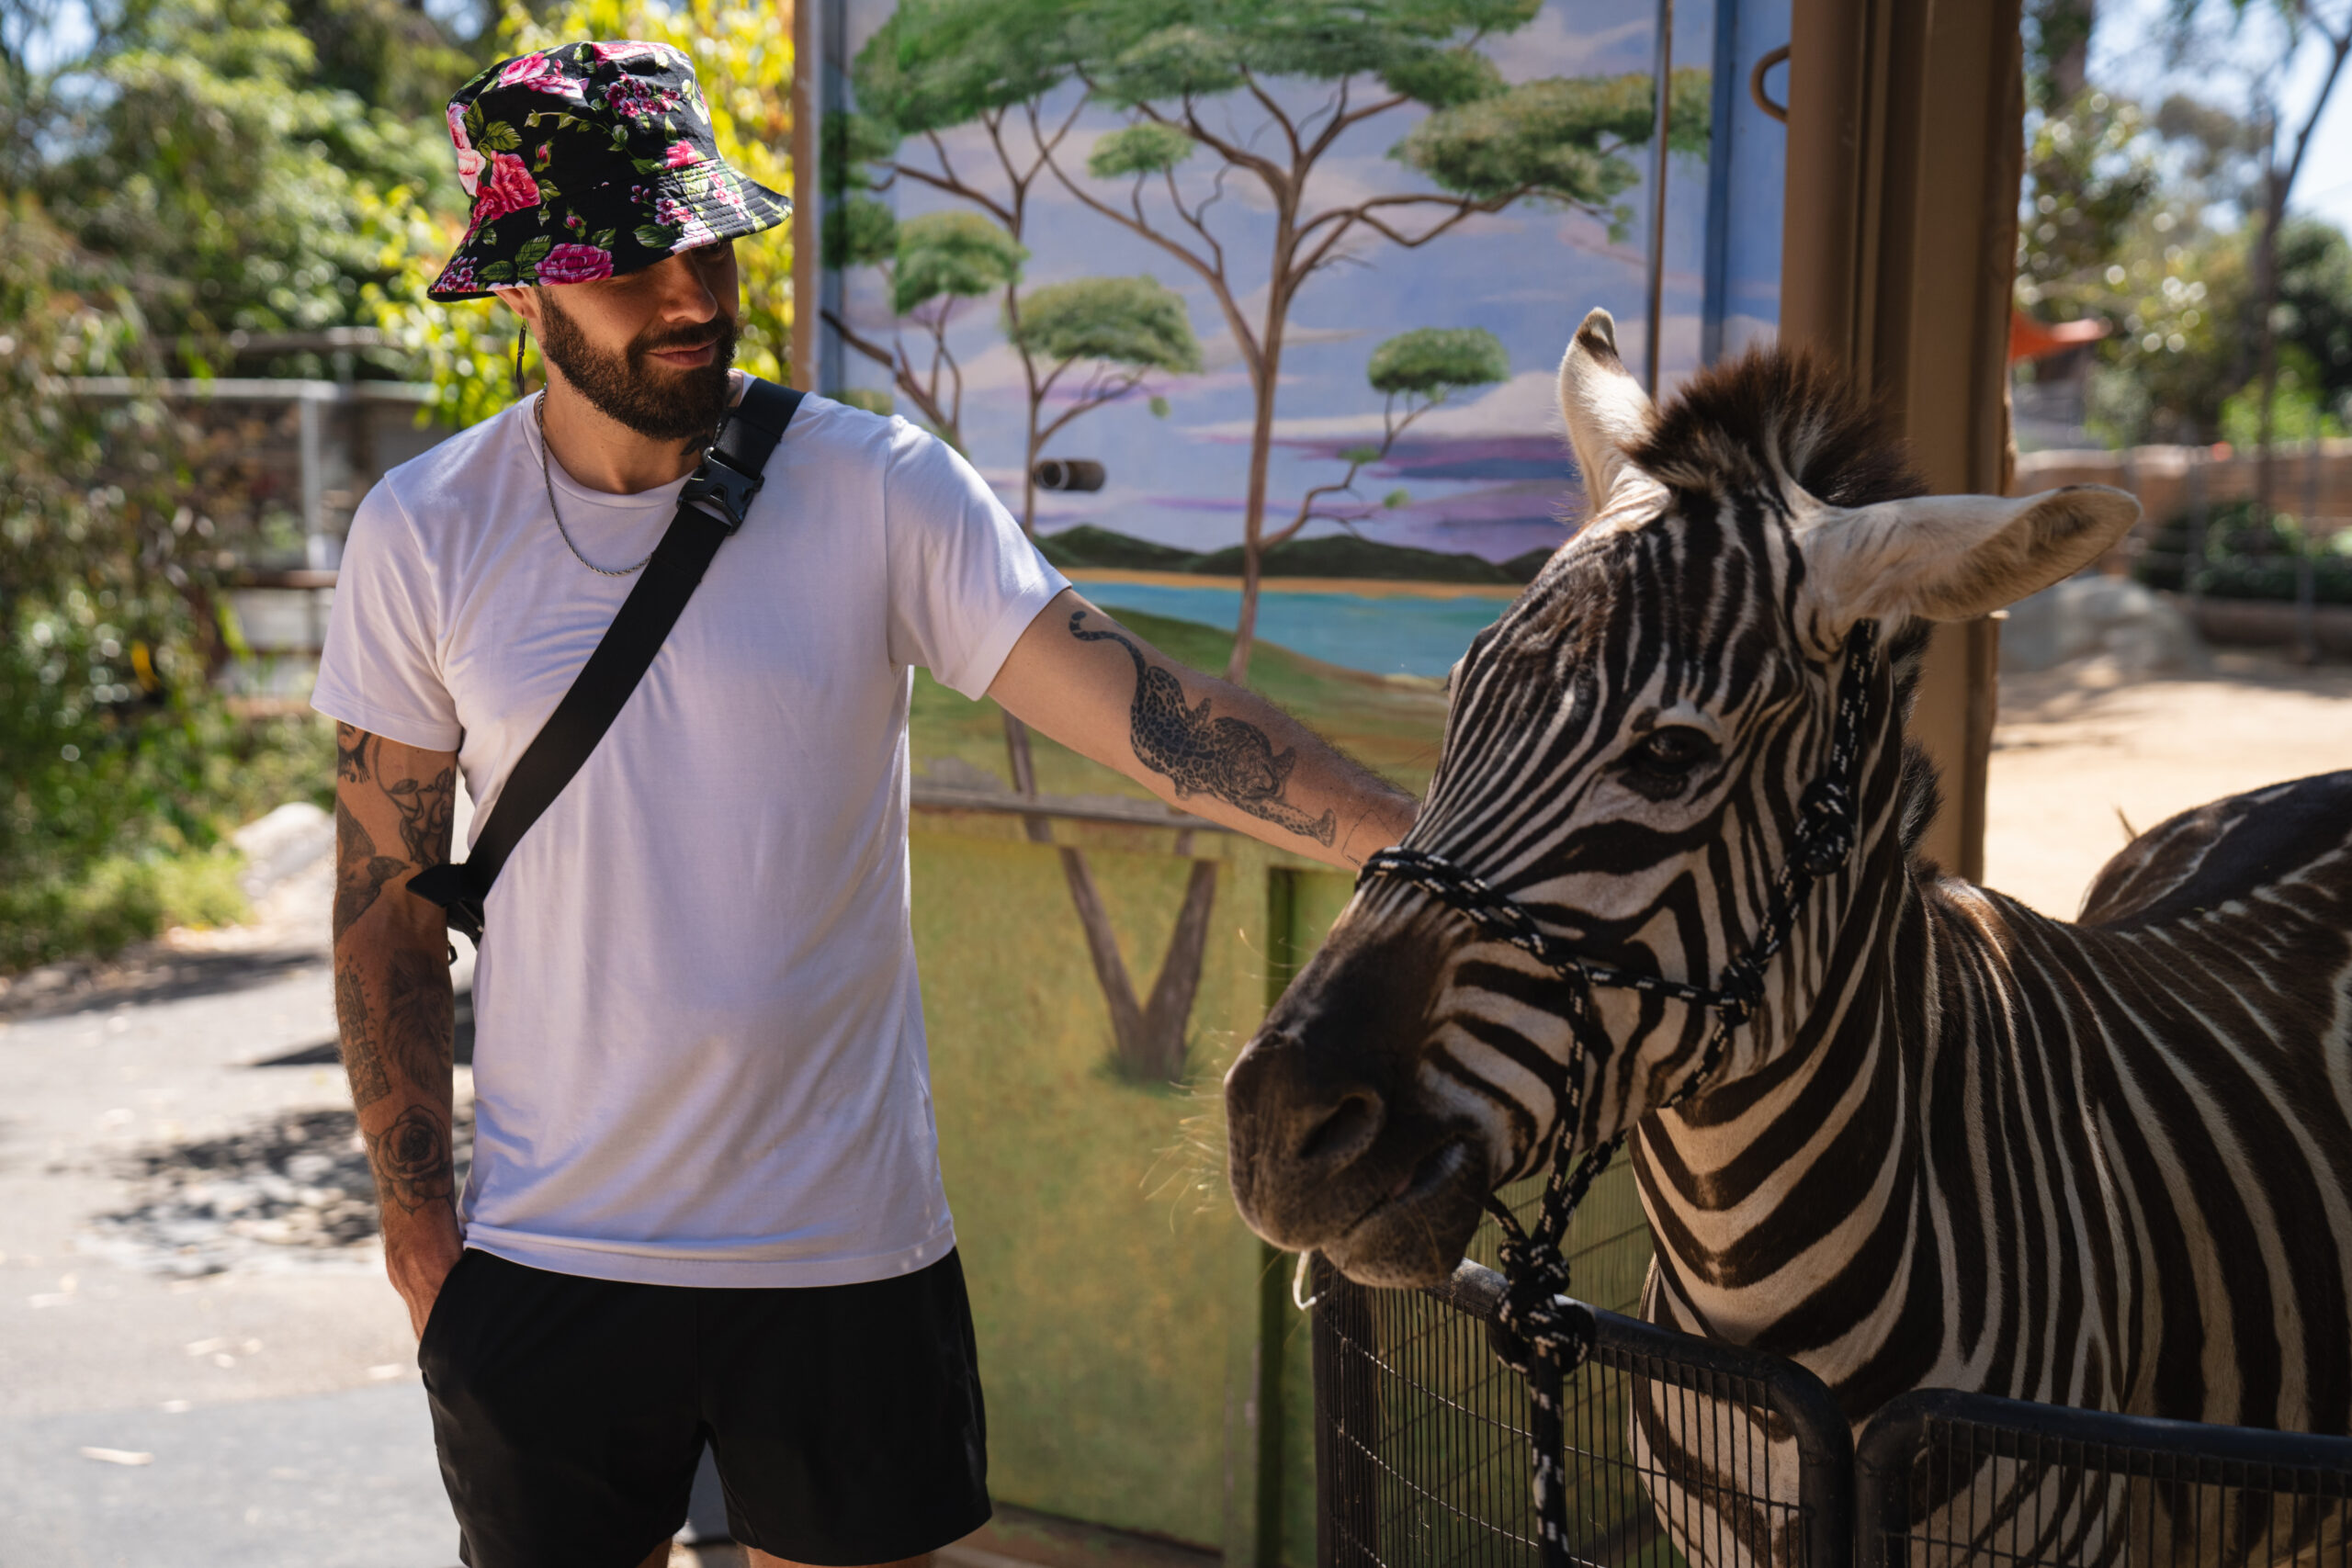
x=686 y=358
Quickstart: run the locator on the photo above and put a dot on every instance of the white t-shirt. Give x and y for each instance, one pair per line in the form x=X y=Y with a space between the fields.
x=698 y=1052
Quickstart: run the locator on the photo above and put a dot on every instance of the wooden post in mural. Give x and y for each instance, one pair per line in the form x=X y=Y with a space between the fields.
x=1898 y=262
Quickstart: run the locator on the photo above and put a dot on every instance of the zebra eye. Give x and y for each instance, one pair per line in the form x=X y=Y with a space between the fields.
x=1673 y=750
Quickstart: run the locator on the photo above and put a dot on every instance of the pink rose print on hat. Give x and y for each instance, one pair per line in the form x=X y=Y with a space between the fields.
x=541 y=73
x=511 y=189
x=459 y=276
x=672 y=213
x=633 y=48
x=681 y=155
x=470 y=163
x=697 y=233
x=576 y=263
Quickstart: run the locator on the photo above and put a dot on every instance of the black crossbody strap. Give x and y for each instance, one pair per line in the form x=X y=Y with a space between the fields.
x=728 y=478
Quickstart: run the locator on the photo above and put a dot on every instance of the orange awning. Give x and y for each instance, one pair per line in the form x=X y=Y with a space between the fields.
x=2029 y=339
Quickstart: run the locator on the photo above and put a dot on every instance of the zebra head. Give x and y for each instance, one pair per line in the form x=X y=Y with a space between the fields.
x=1625 y=754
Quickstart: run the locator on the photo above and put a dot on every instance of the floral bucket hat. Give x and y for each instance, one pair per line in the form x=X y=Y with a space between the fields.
x=589 y=161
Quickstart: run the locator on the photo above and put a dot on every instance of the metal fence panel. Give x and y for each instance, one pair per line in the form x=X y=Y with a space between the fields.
x=1680 y=1452
x=1945 y=1478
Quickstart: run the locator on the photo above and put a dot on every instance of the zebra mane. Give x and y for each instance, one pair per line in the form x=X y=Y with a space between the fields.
x=1772 y=412
x=1747 y=422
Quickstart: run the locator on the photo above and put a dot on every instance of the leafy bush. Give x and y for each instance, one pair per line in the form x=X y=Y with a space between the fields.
x=117 y=760
x=2246 y=556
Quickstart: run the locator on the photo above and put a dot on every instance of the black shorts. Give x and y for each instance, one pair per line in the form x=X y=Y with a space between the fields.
x=570 y=1415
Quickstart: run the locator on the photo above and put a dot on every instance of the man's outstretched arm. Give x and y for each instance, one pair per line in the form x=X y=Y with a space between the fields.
x=1213 y=748
x=394 y=809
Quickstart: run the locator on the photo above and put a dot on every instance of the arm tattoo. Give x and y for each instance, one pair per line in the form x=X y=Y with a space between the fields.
x=351 y=753
x=359 y=872
x=410 y=1159
x=428 y=807
x=362 y=1061
x=1227 y=759
x=420 y=1019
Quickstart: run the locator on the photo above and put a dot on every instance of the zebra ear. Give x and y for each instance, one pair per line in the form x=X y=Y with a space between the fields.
x=1605 y=408
x=1949 y=557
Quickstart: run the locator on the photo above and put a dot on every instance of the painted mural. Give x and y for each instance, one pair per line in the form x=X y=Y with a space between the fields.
x=1280 y=290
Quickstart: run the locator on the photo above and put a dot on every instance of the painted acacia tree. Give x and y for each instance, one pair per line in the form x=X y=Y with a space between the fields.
x=1413 y=372
x=1105 y=335
x=935 y=264
x=1264 y=91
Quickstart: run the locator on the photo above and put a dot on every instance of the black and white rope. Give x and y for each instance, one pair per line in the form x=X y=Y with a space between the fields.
x=1548 y=1332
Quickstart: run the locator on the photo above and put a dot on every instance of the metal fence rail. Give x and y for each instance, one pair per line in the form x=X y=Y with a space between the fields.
x=1681 y=1450
x=1944 y=1478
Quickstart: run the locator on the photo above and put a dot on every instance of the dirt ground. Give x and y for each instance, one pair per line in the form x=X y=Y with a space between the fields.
x=2080 y=751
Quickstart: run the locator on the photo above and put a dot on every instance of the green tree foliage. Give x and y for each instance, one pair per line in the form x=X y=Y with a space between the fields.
x=1558 y=141
x=946 y=256
x=116 y=762
x=1136 y=322
x=198 y=149
x=1430 y=362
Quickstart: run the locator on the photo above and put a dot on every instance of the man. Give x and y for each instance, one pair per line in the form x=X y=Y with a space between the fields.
x=704 y=1201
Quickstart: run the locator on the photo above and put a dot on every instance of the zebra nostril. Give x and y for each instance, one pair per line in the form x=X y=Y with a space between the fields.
x=1344 y=1132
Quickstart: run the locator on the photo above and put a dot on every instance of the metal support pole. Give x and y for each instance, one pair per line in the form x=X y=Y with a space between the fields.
x=1661 y=117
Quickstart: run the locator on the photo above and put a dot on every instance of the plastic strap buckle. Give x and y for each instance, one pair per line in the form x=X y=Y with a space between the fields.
x=446 y=884
x=720 y=483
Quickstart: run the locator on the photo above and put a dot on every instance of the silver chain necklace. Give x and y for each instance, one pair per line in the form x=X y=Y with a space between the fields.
x=540 y=410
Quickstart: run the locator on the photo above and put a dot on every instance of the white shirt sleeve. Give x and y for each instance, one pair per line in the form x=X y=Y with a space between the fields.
x=965 y=582
x=382 y=669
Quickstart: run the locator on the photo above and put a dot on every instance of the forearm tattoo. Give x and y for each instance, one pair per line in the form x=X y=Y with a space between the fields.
x=359 y=872
x=410 y=1159
x=420 y=1019
x=1226 y=759
x=363 y=1059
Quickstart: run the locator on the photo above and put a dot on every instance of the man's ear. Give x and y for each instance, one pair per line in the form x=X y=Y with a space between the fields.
x=1606 y=411
x=524 y=303
x=1950 y=558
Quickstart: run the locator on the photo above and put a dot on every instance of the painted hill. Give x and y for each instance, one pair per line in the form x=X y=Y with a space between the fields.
x=1336 y=555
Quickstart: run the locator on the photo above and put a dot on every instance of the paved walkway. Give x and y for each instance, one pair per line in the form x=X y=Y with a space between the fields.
x=182 y=1388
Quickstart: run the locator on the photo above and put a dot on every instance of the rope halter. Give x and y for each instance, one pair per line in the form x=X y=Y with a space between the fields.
x=1547 y=1334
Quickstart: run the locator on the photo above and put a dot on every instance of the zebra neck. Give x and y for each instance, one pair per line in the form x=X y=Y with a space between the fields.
x=1776 y=1201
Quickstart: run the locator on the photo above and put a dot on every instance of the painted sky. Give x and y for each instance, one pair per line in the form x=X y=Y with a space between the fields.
x=1488 y=474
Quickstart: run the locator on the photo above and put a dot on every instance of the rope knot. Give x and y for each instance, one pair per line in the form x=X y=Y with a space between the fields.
x=1541 y=1324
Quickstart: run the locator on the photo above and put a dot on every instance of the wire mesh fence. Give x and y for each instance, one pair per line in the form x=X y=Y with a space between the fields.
x=1944 y=1479
x=1680 y=1452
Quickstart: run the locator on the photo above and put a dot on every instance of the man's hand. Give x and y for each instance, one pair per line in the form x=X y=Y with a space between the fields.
x=394 y=1009
x=1214 y=750
x=421 y=1264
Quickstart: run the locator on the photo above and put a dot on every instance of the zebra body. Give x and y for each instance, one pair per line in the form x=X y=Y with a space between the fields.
x=1956 y=1143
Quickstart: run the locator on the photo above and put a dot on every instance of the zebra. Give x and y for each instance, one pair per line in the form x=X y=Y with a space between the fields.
x=1955 y=1143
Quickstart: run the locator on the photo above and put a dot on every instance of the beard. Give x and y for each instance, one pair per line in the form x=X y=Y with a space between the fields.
x=630 y=388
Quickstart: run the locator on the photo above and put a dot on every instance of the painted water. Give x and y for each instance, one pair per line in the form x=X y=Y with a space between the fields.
x=1387 y=634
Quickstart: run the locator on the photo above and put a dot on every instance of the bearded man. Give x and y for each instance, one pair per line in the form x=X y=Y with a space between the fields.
x=705 y=1204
